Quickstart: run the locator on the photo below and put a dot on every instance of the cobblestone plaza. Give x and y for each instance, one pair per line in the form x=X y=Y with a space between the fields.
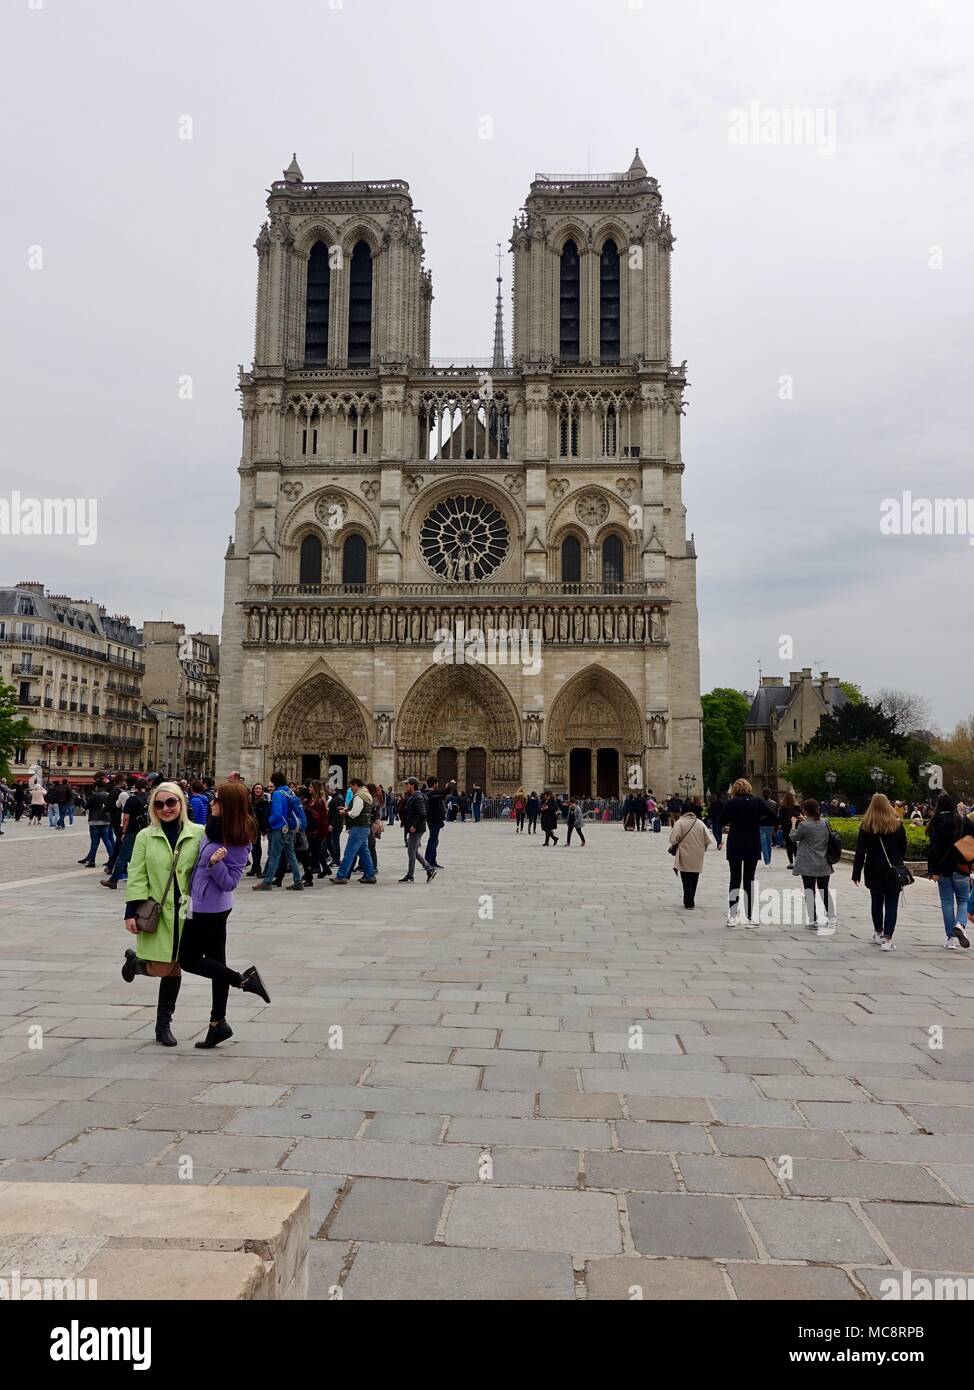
x=789 y=1127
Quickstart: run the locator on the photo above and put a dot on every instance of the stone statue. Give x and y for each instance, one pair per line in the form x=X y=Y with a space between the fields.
x=383 y=731
x=656 y=625
x=343 y=625
x=357 y=625
x=638 y=624
x=386 y=625
x=330 y=626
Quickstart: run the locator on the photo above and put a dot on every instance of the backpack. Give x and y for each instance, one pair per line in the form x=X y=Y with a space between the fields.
x=833 y=850
x=294 y=811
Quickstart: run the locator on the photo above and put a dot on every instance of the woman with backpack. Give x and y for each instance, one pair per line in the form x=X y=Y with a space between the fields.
x=811 y=838
x=881 y=851
x=520 y=809
x=949 y=869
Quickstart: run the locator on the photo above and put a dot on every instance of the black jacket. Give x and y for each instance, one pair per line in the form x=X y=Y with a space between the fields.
x=434 y=805
x=870 y=855
x=414 y=814
x=944 y=831
x=743 y=816
x=549 y=815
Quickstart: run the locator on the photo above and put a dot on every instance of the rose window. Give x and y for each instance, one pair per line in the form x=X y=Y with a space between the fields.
x=464 y=538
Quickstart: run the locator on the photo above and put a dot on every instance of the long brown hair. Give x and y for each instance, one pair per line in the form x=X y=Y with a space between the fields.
x=880 y=818
x=239 y=827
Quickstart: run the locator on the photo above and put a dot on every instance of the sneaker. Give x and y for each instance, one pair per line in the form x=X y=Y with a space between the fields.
x=887 y=945
x=431 y=874
x=368 y=880
x=878 y=938
x=407 y=879
x=952 y=944
x=826 y=930
x=295 y=888
x=263 y=887
x=731 y=920
x=340 y=880
x=961 y=936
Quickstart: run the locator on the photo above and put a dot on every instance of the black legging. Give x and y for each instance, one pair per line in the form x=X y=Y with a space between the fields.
x=203 y=951
x=811 y=884
x=533 y=824
x=740 y=869
x=578 y=831
x=256 y=858
x=520 y=819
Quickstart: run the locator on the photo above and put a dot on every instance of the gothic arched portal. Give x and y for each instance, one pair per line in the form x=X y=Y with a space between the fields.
x=595 y=739
x=320 y=726
x=463 y=716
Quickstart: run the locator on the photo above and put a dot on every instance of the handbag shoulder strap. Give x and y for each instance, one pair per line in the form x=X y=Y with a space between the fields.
x=169 y=880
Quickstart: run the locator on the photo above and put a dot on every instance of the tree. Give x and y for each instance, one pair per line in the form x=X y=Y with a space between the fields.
x=857 y=724
x=852 y=692
x=909 y=711
x=853 y=766
x=724 y=714
x=955 y=754
x=13 y=731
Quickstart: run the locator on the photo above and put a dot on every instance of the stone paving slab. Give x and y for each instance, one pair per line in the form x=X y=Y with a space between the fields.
x=485 y=1121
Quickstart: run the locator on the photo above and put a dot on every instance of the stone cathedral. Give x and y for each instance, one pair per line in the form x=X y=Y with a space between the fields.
x=528 y=505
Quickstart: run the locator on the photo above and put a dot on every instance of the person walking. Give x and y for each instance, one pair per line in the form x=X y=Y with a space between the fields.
x=533 y=810
x=162 y=861
x=435 y=818
x=639 y=800
x=880 y=851
x=260 y=805
x=949 y=869
x=414 y=819
x=224 y=849
x=65 y=807
x=135 y=818
x=358 y=817
x=283 y=822
x=520 y=809
x=335 y=803
x=788 y=813
x=743 y=816
x=767 y=827
x=689 y=841
x=549 y=819
x=38 y=804
x=477 y=802
x=319 y=829
x=810 y=837
x=99 y=824
x=199 y=806
x=574 y=818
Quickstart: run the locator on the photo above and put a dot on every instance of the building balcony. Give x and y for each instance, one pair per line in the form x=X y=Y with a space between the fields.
x=465 y=594
x=32 y=702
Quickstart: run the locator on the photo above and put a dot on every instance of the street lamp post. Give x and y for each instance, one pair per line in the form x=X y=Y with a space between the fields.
x=831 y=779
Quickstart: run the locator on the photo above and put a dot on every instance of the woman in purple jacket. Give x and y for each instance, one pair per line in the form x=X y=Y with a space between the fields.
x=224 y=851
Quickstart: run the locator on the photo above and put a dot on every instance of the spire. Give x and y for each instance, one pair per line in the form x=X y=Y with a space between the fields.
x=499 y=320
x=293 y=174
x=637 y=169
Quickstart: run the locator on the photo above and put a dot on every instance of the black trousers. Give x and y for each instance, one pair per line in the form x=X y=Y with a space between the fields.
x=578 y=831
x=811 y=884
x=520 y=819
x=690 y=882
x=203 y=951
x=532 y=825
x=741 y=871
x=549 y=836
x=256 y=857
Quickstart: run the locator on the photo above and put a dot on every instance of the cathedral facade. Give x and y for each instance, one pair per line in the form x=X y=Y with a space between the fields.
x=479 y=571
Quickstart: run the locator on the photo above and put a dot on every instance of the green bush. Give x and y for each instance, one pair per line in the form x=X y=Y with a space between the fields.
x=916 y=837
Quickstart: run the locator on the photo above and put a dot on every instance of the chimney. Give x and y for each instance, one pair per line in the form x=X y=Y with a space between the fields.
x=773 y=682
x=794 y=678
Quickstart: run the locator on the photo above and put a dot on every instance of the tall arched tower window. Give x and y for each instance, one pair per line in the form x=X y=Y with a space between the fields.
x=354 y=560
x=571 y=300
x=609 y=335
x=360 y=306
x=571 y=560
x=316 y=305
x=310 y=572
x=612 y=564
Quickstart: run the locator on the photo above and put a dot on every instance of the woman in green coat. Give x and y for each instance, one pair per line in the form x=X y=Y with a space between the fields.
x=169 y=837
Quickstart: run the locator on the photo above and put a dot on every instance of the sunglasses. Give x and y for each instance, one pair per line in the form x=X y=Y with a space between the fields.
x=169 y=805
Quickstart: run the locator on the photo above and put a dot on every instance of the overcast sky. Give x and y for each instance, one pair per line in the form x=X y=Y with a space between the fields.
x=812 y=261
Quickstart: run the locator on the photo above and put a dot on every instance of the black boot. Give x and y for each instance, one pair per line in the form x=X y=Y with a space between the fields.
x=217 y=1032
x=251 y=983
x=163 y=1031
x=133 y=966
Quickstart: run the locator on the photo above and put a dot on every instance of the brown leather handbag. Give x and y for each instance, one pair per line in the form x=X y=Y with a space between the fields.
x=148 y=913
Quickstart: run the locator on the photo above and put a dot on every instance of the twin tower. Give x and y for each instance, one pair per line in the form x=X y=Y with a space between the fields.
x=533 y=499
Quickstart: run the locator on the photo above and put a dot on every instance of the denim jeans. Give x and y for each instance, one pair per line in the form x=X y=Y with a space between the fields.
x=955 y=893
x=357 y=844
x=277 y=844
x=52 y=814
x=120 y=868
x=431 y=844
x=476 y=812
x=767 y=831
x=100 y=835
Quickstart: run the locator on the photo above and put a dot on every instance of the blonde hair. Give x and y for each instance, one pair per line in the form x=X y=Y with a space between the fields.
x=741 y=787
x=880 y=817
x=170 y=789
